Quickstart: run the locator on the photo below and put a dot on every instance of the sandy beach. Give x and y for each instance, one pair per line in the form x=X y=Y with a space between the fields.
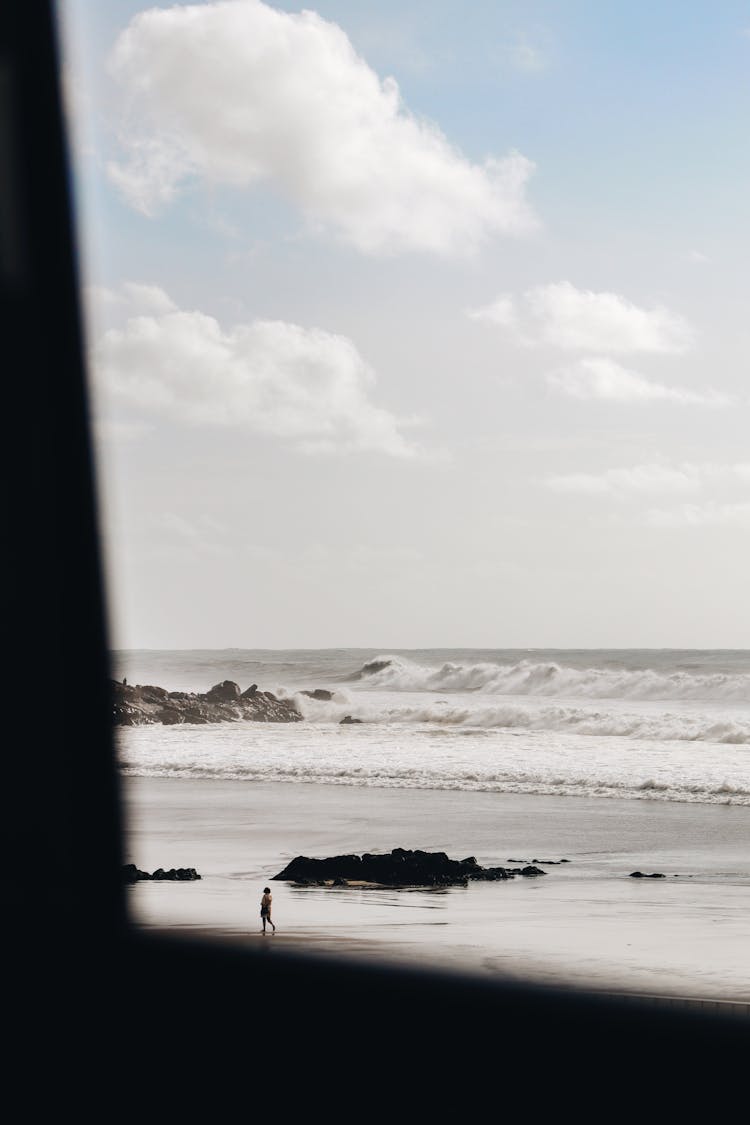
x=585 y=924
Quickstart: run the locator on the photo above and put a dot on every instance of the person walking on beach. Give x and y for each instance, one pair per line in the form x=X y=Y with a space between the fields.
x=265 y=908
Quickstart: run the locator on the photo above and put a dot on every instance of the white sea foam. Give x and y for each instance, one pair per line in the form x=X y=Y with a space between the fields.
x=656 y=726
x=661 y=725
x=417 y=779
x=361 y=757
x=548 y=678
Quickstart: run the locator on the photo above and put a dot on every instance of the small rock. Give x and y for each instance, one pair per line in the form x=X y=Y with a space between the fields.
x=131 y=874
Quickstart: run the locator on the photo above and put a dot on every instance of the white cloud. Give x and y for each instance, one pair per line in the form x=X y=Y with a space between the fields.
x=698 y=257
x=653 y=478
x=524 y=56
x=148 y=298
x=601 y=378
x=302 y=384
x=638 y=479
x=501 y=311
x=237 y=93
x=700 y=515
x=102 y=304
x=562 y=316
x=99 y=296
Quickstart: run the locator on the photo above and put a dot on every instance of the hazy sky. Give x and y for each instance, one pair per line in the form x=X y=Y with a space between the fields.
x=418 y=324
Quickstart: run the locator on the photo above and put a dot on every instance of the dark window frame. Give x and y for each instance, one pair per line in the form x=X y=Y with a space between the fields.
x=87 y=991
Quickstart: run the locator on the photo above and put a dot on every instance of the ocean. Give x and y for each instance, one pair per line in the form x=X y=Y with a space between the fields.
x=656 y=725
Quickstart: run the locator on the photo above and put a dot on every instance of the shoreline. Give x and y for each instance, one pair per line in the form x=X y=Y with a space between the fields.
x=645 y=795
x=586 y=924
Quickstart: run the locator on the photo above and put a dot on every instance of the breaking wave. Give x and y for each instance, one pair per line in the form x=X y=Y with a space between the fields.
x=661 y=726
x=485 y=780
x=527 y=677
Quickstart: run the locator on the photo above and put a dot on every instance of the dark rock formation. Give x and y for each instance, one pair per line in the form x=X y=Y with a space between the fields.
x=399 y=868
x=348 y=721
x=546 y=862
x=225 y=692
x=319 y=693
x=131 y=874
x=490 y=874
x=641 y=875
x=139 y=705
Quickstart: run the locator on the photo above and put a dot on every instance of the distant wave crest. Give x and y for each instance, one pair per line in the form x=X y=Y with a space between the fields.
x=527 y=677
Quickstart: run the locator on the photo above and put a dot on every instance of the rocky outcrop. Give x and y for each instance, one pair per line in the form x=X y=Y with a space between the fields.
x=131 y=874
x=399 y=868
x=348 y=721
x=641 y=875
x=223 y=703
x=319 y=693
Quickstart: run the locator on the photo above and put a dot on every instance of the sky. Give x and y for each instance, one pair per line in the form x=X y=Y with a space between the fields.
x=417 y=324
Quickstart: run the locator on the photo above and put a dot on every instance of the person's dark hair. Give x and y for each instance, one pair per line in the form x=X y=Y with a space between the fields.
x=266 y=890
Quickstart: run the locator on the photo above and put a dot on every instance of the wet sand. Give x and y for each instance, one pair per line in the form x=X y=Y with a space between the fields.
x=585 y=924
